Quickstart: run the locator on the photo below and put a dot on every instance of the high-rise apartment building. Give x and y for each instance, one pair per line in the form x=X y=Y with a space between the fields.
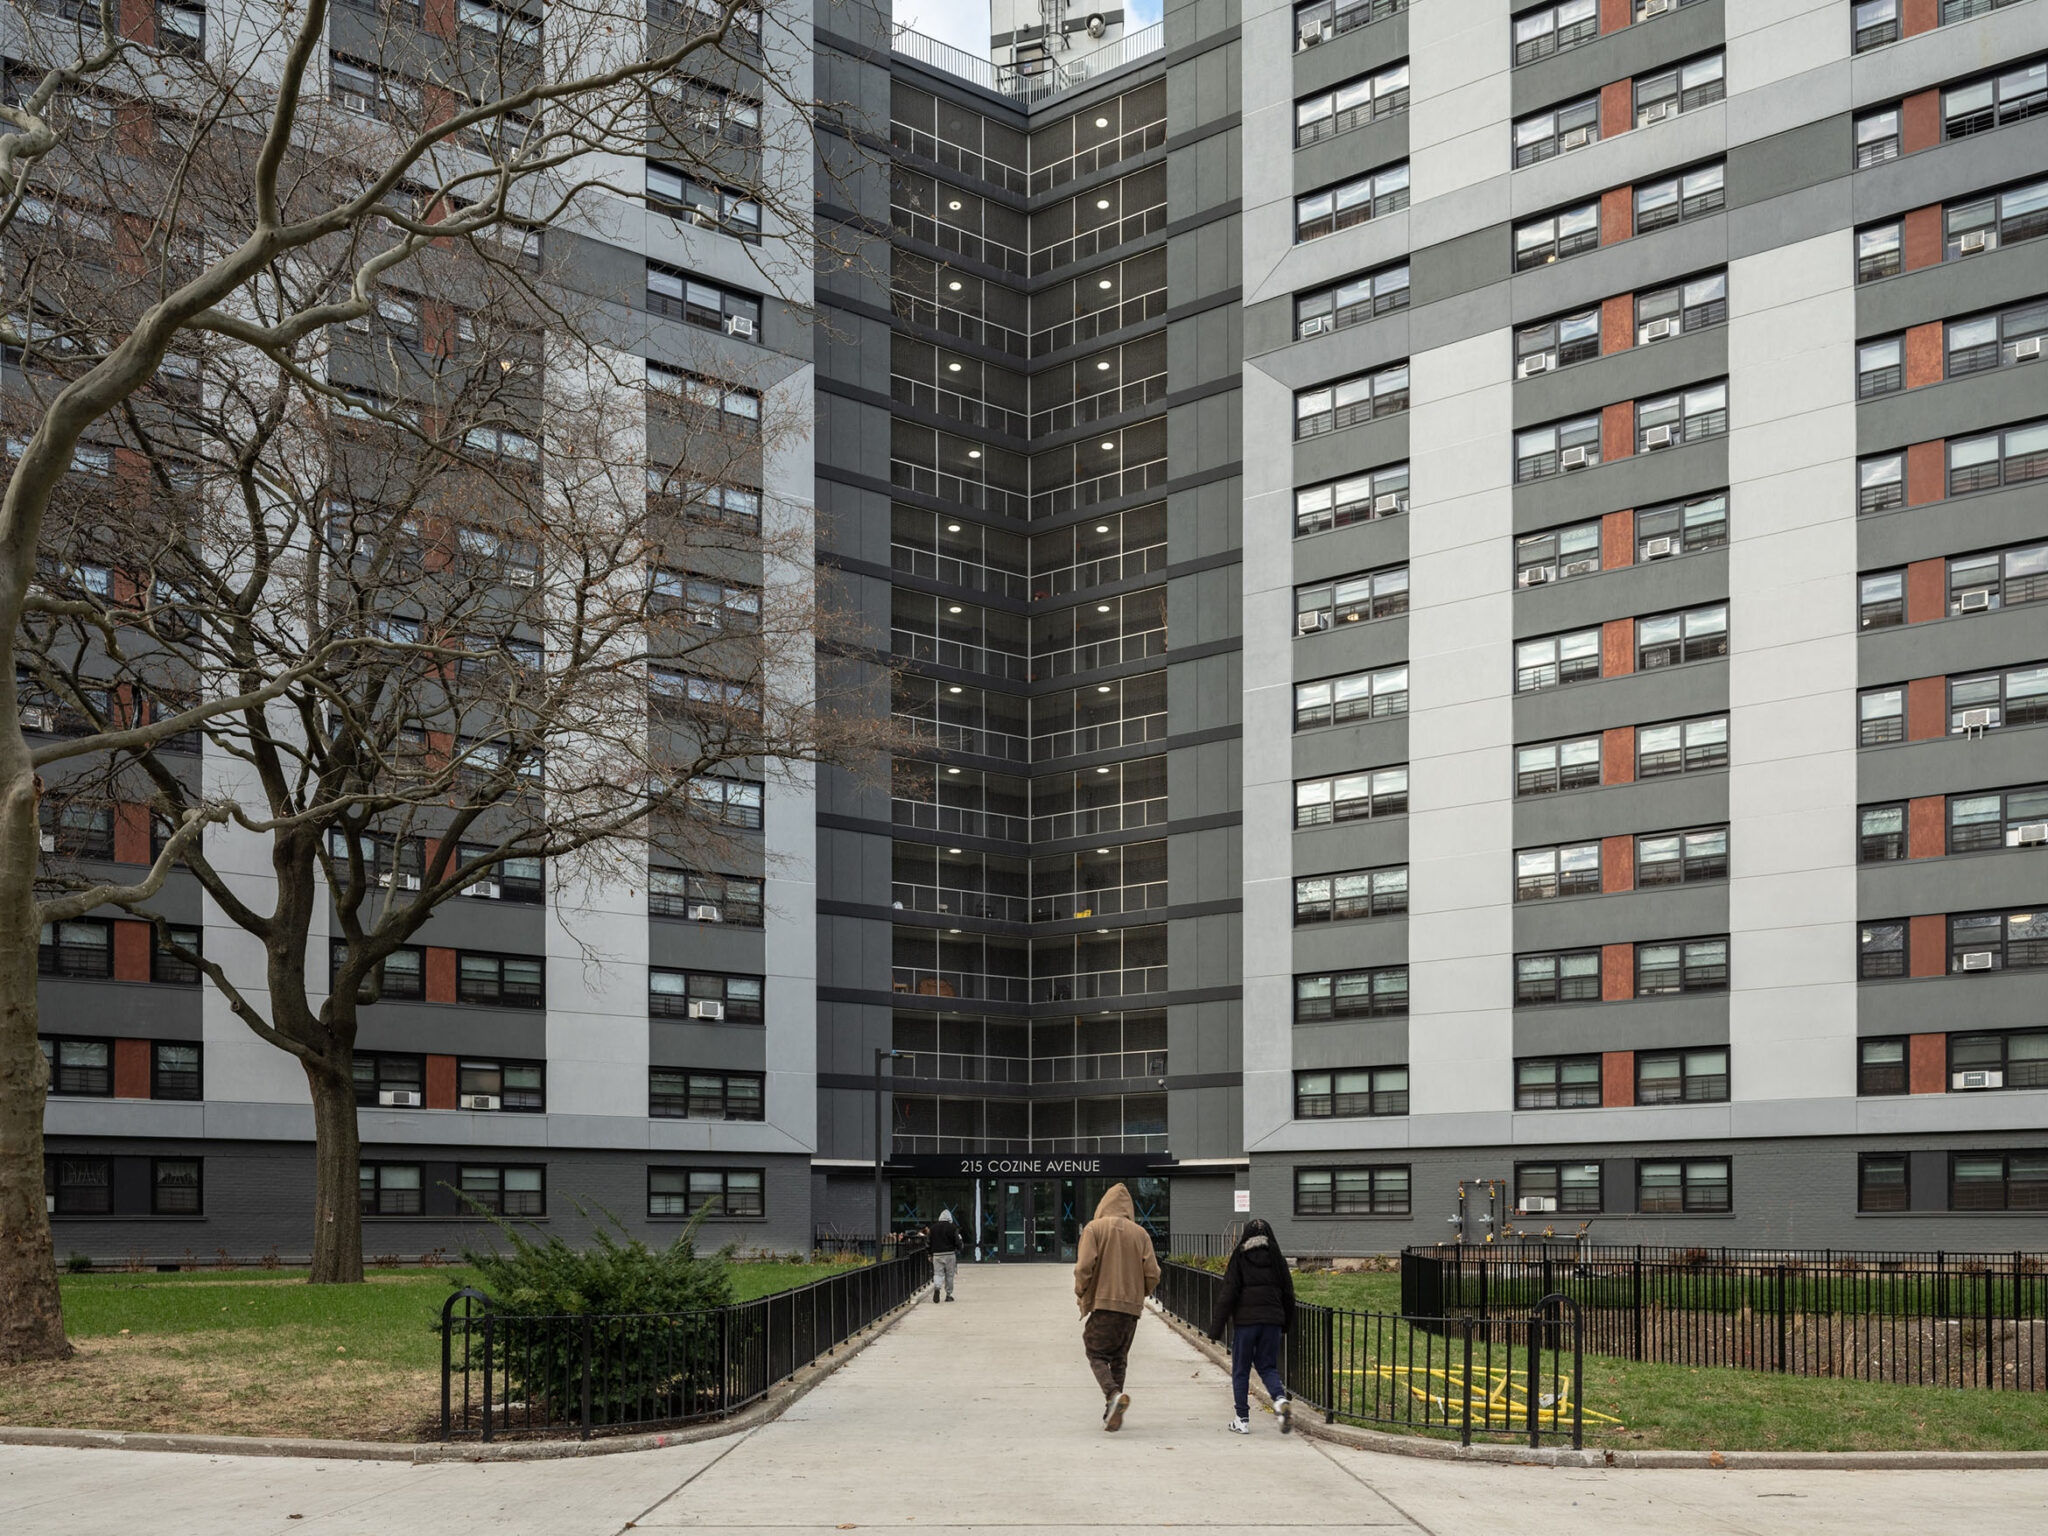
x=1275 y=568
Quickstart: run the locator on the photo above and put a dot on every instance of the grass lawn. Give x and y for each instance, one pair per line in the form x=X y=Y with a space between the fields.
x=255 y=1352
x=1717 y=1408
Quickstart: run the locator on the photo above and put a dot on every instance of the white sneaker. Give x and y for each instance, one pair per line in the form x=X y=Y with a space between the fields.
x=1285 y=1409
x=1240 y=1426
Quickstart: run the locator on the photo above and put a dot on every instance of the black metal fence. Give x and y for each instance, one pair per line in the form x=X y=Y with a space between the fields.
x=1493 y=1378
x=507 y=1374
x=1916 y=1319
x=861 y=1245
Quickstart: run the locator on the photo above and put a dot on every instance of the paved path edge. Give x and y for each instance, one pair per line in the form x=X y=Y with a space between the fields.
x=767 y=1410
x=1391 y=1444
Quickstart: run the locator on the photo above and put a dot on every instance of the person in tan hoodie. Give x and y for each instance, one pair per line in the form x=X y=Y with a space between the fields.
x=1115 y=1272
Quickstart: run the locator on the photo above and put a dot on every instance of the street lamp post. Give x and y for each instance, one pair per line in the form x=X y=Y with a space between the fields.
x=882 y=1053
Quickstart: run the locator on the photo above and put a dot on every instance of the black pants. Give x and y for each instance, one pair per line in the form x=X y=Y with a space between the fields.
x=1107 y=1338
x=1255 y=1347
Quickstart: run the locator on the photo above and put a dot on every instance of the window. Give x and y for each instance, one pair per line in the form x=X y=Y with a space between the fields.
x=1558 y=765
x=1554 y=28
x=1682 y=528
x=1963 y=10
x=79 y=1186
x=1690 y=965
x=503 y=981
x=1881 y=1067
x=1682 y=1077
x=1648 y=10
x=1998 y=1181
x=1320 y=20
x=76 y=949
x=364 y=88
x=1996 y=341
x=1881 y=483
x=1354 y=499
x=1333 y=407
x=1688 y=747
x=2013 y=818
x=697 y=109
x=1690 y=416
x=518 y=1086
x=1997 y=941
x=728 y=899
x=1557 y=449
x=174 y=1188
x=1571 y=870
x=676 y=1093
x=1361 y=696
x=1695 y=83
x=2012 y=457
x=686 y=1191
x=74 y=829
x=1557 y=660
x=1350 y=600
x=1557 y=343
x=1351 y=302
x=1881 y=600
x=1351 y=1191
x=1881 y=367
x=1566 y=1188
x=389 y=1189
x=519 y=880
x=181 y=29
x=704 y=995
x=1351 y=105
x=1674 y=858
x=1879 y=252
x=729 y=802
x=1354 y=894
x=80 y=1068
x=707 y=403
x=1557 y=130
x=1662 y=313
x=174 y=1071
x=2018 y=696
x=1986 y=223
x=504 y=1191
x=1558 y=555
x=1557 y=236
x=1880 y=716
x=1351 y=1095
x=705 y=203
x=404 y=972
x=705 y=602
x=679 y=296
x=1353 y=202
x=1877 y=137
x=1375 y=994
x=1697 y=1185
x=2021 y=1056
x=1881 y=834
x=733 y=504
x=1880 y=951
x=1881 y=1183
x=390 y=1081
x=1568 y=977
x=1873 y=24
x=1693 y=195
x=677 y=692
x=1350 y=797
x=1982 y=105
x=1672 y=639
x=1558 y=1082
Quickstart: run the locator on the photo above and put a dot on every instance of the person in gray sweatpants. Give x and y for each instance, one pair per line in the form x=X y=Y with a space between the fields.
x=943 y=1239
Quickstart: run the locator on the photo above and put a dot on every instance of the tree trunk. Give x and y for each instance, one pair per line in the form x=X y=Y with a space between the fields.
x=31 y=1310
x=337 y=1154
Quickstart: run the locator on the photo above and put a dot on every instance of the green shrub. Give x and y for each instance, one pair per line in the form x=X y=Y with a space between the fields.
x=76 y=1263
x=616 y=1273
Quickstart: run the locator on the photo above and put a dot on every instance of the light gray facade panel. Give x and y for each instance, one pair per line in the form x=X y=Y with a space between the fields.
x=1632 y=374
x=1644 y=698
x=1673 y=912
x=1639 y=481
x=1641 y=1024
x=1662 y=586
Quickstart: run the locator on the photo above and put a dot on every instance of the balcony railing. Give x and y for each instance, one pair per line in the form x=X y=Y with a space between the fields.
x=917 y=981
x=959 y=820
x=1108 y=901
x=1105 y=737
x=1132 y=816
x=943 y=485
x=960 y=655
x=1034 y=82
x=1085 y=575
x=969 y=574
x=954 y=902
x=973 y=738
x=1133 y=981
x=1135 y=310
x=1141 y=646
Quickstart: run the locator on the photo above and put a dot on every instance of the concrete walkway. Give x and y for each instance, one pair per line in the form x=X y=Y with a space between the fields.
x=981 y=1416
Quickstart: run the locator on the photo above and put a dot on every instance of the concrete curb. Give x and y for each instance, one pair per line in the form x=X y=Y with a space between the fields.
x=767 y=1410
x=1717 y=1461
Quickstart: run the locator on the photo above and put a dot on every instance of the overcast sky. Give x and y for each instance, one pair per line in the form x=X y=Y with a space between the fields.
x=964 y=23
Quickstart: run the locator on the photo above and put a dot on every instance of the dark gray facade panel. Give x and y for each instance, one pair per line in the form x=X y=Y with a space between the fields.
x=1651 y=805
x=1369 y=446
x=1642 y=480
x=1642 y=916
x=1632 y=374
x=1621 y=55
x=1662 y=586
x=2009 y=879
x=1350 y=748
x=1640 y=1024
x=690 y=1043
x=1643 y=698
x=1952 y=289
x=1987 y=520
x=1365 y=1043
x=1360 y=547
x=1959 y=408
x=1949 y=764
x=1358 y=52
x=1355 y=845
x=1972 y=642
x=454 y=1028
x=1986 y=1000
x=1348 y=154
x=706 y=946
x=1354 y=648
x=1627 y=266
x=132 y=1009
x=1948 y=172
x=1347 y=946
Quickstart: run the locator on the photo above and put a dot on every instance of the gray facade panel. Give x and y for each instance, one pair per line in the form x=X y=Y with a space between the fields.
x=1361 y=547
x=2013 y=755
x=1950 y=289
x=1988 y=1000
x=1336 y=159
x=1661 y=586
x=1631 y=51
x=1347 y=946
x=1639 y=481
x=1342 y=453
x=1644 y=698
x=453 y=1027
x=1350 y=748
x=1986 y=520
x=1960 y=408
x=134 y=1009
x=1674 y=912
x=1630 y=374
x=1354 y=648
x=1355 y=845
x=2008 y=879
x=1652 y=805
x=1369 y=1043
x=1358 y=52
x=1946 y=647
x=1643 y=1024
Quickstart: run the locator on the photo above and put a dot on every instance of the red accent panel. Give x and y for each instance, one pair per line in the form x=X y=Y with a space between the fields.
x=1618 y=756
x=1923 y=355
x=1617 y=323
x=1617 y=431
x=1617 y=647
x=1617 y=1079
x=1617 y=214
x=1617 y=108
x=1618 y=977
x=1926 y=472
x=131 y=833
x=1926 y=591
x=132 y=945
x=1927 y=709
x=437 y=19
x=131 y=1069
x=1927 y=1063
x=1927 y=827
x=1617 y=864
x=439 y=982
x=440 y=1082
x=1617 y=540
x=1927 y=945
x=1615 y=14
x=1919 y=122
x=1920 y=241
x=1917 y=16
x=138 y=20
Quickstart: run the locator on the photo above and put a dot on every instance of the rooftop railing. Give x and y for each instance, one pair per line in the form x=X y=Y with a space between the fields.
x=1038 y=81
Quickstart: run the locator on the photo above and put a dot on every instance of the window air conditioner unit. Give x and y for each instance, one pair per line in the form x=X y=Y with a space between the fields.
x=1975 y=241
x=1580 y=568
x=489 y=890
x=2026 y=349
x=702 y=912
x=1309 y=623
x=1311 y=34
x=1535 y=576
x=1978 y=719
x=1657 y=330
x=1656 y=7
x=1977 y=960
x=1658 y=437
x=1963 y=1081
x=1315 y=325
x=37 y=718
x=480 y=1101
x=1977 y=601
x=1658 y=548
x=398 y=1098
x=1540 y=363
x=1387 y=503
x=2030 y=834
x=1573 y=458
x=739 y=325
x=1656 y=112
x=704 y=1008
x=1537 y=1205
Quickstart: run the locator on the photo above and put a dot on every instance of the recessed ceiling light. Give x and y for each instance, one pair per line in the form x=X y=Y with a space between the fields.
x=974 y=453
x=954 y=689
x=1102 y=527
x=1102 y=930
x=1102 y=607
x=954 y=205
x=954 y=287
x=1102 y=202
x=1102 y=687
x=956 y=770
x=1105 y=283
x=952 y=367
x=1107 y=447
x=952 y=527
x=954 y=609
x=1102 y=122
x=1102 y=850
x=956 y=930
x=1102 y=367
x=1102 y=770
x=952 y=850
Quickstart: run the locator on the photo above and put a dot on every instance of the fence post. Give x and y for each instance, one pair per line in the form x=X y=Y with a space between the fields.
x=1636 y=1301
x=446 y=1325
x=1578 y=1378
x=1781 y=1318
x=1330 y=1365
x=1535 y=1327
x=1990 y=1331
x=1465 y=1433
x=586 y=1376
x=487 y=1377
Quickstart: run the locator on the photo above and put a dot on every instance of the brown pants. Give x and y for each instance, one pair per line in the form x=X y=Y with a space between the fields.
x=1107 y=1338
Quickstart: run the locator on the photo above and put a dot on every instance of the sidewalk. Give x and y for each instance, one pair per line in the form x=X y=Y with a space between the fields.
x=981 y=1416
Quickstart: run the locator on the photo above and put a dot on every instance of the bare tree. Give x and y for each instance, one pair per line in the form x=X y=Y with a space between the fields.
x=315 y=459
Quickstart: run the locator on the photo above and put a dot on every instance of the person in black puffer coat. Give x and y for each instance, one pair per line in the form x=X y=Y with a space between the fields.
x=1258 y=1296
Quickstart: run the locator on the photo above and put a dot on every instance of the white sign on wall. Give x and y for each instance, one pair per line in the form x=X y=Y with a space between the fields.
x=1243 y=1200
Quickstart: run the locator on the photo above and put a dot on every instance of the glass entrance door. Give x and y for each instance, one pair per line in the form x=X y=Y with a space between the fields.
x=1045 y=1219
x=1013 y=1217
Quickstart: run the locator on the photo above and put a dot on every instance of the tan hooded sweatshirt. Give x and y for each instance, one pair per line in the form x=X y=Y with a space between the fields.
x=1117 y=1268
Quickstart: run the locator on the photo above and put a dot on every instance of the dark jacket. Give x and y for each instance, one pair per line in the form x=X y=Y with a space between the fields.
x=945 y=1238
x=1257 y=1287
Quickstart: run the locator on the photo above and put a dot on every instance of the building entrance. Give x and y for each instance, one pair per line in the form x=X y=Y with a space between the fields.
x=1022 y=1219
